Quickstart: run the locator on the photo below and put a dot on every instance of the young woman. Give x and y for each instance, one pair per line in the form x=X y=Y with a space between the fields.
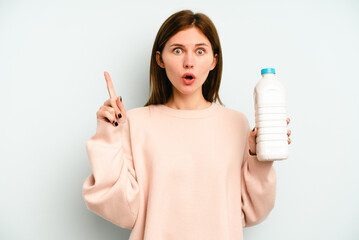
x=181 y=167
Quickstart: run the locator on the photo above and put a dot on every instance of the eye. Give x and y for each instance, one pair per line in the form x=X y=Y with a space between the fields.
x=200 y=51
x=177 y=51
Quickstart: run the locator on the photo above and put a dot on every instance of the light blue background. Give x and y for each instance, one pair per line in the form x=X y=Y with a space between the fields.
x=52 y=58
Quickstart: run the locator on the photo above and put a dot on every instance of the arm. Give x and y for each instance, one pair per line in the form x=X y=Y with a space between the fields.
x=112 y=191
x=258 y=188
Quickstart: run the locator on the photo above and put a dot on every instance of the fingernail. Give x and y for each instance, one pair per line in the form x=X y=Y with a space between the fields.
x=116 y=124
x=119 y=115
x=253 y=130
x=121 y=98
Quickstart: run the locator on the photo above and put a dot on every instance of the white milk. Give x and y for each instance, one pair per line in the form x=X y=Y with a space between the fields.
x=270 y=118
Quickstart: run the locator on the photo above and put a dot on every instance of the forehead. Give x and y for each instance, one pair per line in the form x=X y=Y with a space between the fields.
x=189 y=36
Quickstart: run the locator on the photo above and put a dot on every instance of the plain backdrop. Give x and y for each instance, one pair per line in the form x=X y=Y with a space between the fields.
x=52 y=58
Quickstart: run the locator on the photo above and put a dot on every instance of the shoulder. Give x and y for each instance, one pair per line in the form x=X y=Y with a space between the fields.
x=137 y=112
x=235 y=117
x=232 y=113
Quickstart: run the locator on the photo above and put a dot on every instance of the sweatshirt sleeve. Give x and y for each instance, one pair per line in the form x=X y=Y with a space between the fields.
x=112 y=190
x=258 y=188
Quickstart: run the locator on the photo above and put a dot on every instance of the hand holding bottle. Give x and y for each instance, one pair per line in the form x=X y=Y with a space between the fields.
x=253 y=135
x=113 y=109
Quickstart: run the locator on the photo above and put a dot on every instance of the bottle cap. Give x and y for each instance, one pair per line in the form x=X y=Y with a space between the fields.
x=267 y=70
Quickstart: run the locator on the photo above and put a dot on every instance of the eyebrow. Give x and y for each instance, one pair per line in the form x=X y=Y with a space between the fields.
x=180 y=45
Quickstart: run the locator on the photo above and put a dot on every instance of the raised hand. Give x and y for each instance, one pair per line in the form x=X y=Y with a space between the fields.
x=112 y=110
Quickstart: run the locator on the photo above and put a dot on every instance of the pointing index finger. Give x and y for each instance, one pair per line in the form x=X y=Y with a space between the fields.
x=110 y=88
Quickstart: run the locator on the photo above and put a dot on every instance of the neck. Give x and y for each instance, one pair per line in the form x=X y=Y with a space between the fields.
x=184 y=102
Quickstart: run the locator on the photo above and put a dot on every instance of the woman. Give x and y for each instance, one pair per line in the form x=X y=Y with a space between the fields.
x=182 y=166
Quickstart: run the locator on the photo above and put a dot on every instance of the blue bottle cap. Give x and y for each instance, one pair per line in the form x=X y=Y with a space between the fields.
x=267 y=70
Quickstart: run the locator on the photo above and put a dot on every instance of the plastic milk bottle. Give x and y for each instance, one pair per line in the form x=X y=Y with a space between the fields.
x=270 y=118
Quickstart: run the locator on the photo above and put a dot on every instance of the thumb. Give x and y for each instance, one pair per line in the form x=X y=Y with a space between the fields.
x=121 y=106
x=254 y=131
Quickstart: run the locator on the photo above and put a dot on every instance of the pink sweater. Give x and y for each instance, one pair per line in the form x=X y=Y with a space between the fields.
x=171 y=174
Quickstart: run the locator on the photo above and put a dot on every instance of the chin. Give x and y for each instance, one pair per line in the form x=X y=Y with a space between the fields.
x=188 y=90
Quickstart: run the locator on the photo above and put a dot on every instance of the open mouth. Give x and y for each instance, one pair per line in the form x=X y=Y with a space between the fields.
x=188 y=76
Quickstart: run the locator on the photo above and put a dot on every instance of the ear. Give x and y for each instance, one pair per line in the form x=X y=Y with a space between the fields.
x=159 y=60
x=214 y=63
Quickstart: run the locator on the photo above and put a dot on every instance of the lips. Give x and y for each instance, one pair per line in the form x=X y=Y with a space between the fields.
x=189 y=76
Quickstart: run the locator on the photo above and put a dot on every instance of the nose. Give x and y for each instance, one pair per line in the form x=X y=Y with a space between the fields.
x=188 y=61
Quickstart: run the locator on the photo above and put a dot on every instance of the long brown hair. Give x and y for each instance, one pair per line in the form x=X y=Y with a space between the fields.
x=160 y=86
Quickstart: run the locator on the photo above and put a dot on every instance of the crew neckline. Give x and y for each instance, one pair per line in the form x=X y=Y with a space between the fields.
x=188 y=113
